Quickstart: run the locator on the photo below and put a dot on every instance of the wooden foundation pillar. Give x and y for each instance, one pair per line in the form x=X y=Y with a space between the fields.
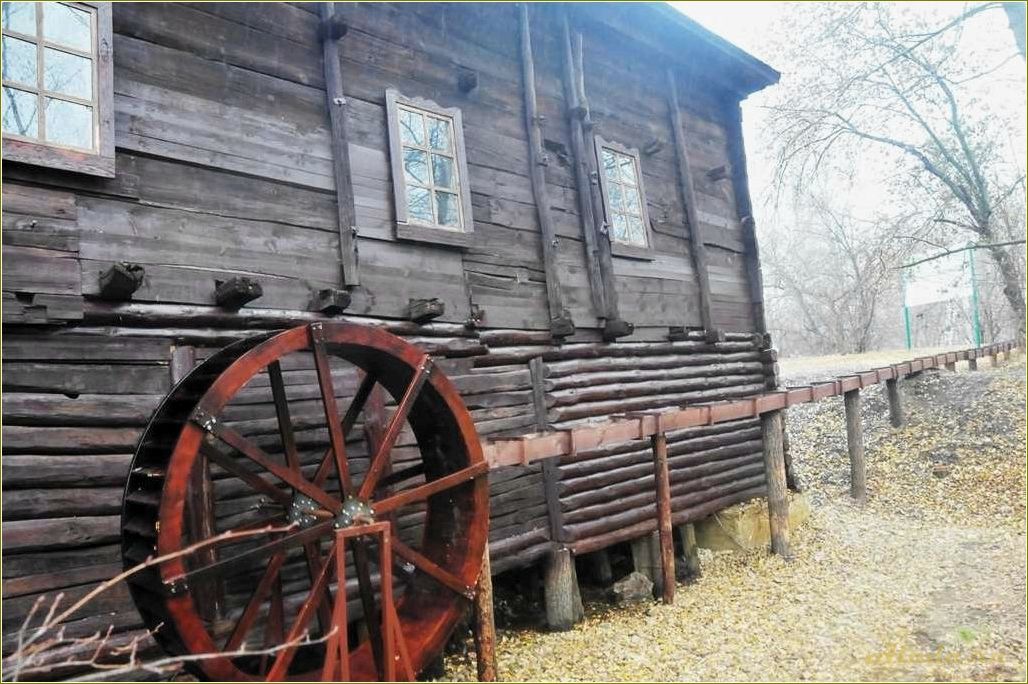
x=646 y=559
x=690 y=550
x=951 y=367
x=560 y=591
x=777 y=492
x=667 y=542
x=485 y=624
x=895 y=402
x=972 y=364
x=855 y=442
x=993 y=360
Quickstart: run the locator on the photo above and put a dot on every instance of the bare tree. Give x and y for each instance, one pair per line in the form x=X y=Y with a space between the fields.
x=876 y=78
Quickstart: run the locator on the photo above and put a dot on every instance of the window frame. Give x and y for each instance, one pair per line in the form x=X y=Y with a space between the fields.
x=99 y=162
x=419 y=232
x=623 y=249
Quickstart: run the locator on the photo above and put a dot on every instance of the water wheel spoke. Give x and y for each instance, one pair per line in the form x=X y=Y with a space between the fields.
x=401 y=646
x=392 y=431
x=328 y=401
x=224 y=566
x=401 y=475
x=251 y=478
x=432 y=569
x=337 y=662
x=314 y=566
x=264 y=586
x=422 y=492
x=354 y=410
x=285 y=424
x=367 y=595
x=253 y=452
x=306 y=612
x=275 y=629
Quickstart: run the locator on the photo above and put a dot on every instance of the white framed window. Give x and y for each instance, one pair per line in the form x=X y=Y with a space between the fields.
x=430 y=177
x=58 y=85
x=624 y=199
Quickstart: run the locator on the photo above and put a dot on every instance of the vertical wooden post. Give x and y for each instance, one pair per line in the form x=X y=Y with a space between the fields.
x=690 y=550
x=993 y=359
x=951 y=366
x=895 y=402
x=855 y=442
x=332 y=29
x=667 y=543
x=560 y=318
x=697 y=247
x=972 y=363
x=560 y=591
x=485 y=624
x=777 y=493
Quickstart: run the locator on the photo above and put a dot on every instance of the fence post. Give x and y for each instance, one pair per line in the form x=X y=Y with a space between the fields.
x=774 y=470
x=667 y=542
x=895 y=403
x=855 y=442
x=485 y=624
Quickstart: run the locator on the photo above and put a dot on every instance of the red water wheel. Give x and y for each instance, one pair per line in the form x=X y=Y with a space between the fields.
x=273 y=449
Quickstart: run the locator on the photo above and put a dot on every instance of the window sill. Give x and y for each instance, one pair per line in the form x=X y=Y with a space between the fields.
x=58 y=158
x=433 y=236
x=632 y=252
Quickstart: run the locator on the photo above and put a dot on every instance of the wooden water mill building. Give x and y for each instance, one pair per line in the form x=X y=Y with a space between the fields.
x=550 y=200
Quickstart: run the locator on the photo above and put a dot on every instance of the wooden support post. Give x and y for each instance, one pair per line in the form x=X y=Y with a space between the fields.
x=690 y=550
x=895 y=402
x=972 y=363
x=697 y=248
x=777 y=493
x=560 y=591
x=333 y=29
x=600 y=569
x=599 y=263
x=951 y=366
x=667 y=542
x=561 y=324
x=855 y=442
x=646 y=559
x=550 y=467
x=993 y=360
x=485 y=624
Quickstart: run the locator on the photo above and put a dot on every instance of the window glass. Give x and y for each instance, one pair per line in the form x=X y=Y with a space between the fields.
x=19 y=59
x=67 y=74
x=20 y=112
x=430 y=168
x=68 y=26
x=20 y=17
x=624 y=199
x=69 y=123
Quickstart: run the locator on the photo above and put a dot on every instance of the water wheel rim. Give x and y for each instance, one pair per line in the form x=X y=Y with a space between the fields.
x=426 y=620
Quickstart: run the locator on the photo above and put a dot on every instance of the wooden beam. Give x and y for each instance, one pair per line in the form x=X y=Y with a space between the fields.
x=485 y=624
x=332 y=30
x=697 y=247
x=744 y=210
x=777 y=492
x=667 y=543
x=561 y=324
x=423 y=310
x=855 y=443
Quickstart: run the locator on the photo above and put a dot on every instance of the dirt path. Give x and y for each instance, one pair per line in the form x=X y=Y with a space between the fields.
x=927 y=582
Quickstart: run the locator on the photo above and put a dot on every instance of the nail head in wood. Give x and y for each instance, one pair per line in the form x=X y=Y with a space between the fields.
x=330 y=301
x=235 y=293
x=424 y=310
x=120 y=280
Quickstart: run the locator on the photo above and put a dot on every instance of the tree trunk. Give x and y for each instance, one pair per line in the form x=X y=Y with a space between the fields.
x=1011 y=283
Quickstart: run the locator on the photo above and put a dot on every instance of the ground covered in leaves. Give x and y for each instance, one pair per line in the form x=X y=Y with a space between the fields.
x=926 y=582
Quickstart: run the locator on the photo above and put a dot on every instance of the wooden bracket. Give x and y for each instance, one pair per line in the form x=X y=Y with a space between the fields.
x=614 y=328
x=718 y=173
x=467 y=80
x=329 y=301
x=424 y=310
x=234 y=293
x=562 y=326
x=119 y=281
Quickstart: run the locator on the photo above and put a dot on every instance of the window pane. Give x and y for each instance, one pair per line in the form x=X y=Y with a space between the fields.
x=20 y=112
x=442 y=172
x=449 y=211
x=19 y=61
x=67 y=73
x=636 y=231
x=610 y=165
x=68 y=26
x=415 y=166
x=438 y=134
x=631 y=196
x=620 y=228
x=20 y=17
x=616 y=192
x=419 y=205
x=412 y=128
x=627 y=170
x=68 y=123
